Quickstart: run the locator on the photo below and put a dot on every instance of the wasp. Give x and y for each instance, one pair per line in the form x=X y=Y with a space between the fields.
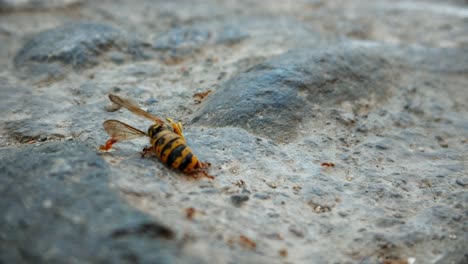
x=167 y=141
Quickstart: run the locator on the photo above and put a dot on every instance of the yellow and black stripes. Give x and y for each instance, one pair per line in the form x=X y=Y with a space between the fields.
x=172 y=150
x=167 y=140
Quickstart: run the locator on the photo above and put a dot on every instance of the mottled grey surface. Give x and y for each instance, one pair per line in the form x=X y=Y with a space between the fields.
x=180 y=43
x=181 y=40
x=17 y=5
x=337 y=131
x=273 y=98
x=78 y=45
x=57 y=207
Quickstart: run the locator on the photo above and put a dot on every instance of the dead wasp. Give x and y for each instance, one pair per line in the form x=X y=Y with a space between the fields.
x=167 y=141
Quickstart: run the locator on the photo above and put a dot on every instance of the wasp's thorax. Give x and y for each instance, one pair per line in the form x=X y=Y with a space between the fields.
x=155 y=129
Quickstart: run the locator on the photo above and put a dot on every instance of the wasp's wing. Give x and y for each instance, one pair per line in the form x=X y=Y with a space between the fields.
x=133 y=107
x=121 y=131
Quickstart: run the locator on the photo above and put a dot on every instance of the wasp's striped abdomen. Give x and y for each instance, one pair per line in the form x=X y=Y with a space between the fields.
x=172 y=150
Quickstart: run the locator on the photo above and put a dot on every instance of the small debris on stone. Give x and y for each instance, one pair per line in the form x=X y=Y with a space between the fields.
x=239 y=199
x=247 y=242
x=190 y=212
x=283 y=252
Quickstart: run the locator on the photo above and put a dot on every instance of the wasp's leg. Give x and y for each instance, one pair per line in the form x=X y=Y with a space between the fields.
x=204 y=165
x=199 y=174
x=147 y=150
x=205 y=174
x=177 y=127
x=108 y=144
x=201 y=171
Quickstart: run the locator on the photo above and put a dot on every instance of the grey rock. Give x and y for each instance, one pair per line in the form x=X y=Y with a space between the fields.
x=138 y=49
x=76 y=44
x=182 y=41
x=44 y=72
x=27 y=130
x=231 y=35
x=58 y=194
x=228 y=143
x=181 y=36
x=33 y=109
x=15 y=5
x=273 y=98
x=439 y=214
x=453 y=60
x=355 y=76
x=423 y=58
x=456 y=253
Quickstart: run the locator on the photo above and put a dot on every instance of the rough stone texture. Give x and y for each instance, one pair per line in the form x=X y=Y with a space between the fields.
x=231 y=35
x=78 y=45
x=15 y=5
x=57 y=206
x=446 y=60
x=362 y=149
x=273 y=98
x=74 y=44
x=181 y=43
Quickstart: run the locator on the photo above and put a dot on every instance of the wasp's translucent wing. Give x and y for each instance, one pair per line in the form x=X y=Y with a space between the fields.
x=120 y=131
x=133 y=107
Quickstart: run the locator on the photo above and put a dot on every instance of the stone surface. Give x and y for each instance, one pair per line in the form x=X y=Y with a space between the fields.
x=57 y=206
x=273 y=98
x=183 y=42
x=14 y=5
x=76 y=44
x=448 y=60
x=231 y=35
x=328 y=124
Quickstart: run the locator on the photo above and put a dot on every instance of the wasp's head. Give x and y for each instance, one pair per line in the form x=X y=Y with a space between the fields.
x=155 y=129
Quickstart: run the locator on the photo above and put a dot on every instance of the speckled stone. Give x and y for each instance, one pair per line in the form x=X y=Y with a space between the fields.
x=274 y=97
x=58 y=193
x=345 y=128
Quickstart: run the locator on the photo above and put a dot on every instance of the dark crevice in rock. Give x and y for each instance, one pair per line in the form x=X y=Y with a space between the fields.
x=151 y=230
